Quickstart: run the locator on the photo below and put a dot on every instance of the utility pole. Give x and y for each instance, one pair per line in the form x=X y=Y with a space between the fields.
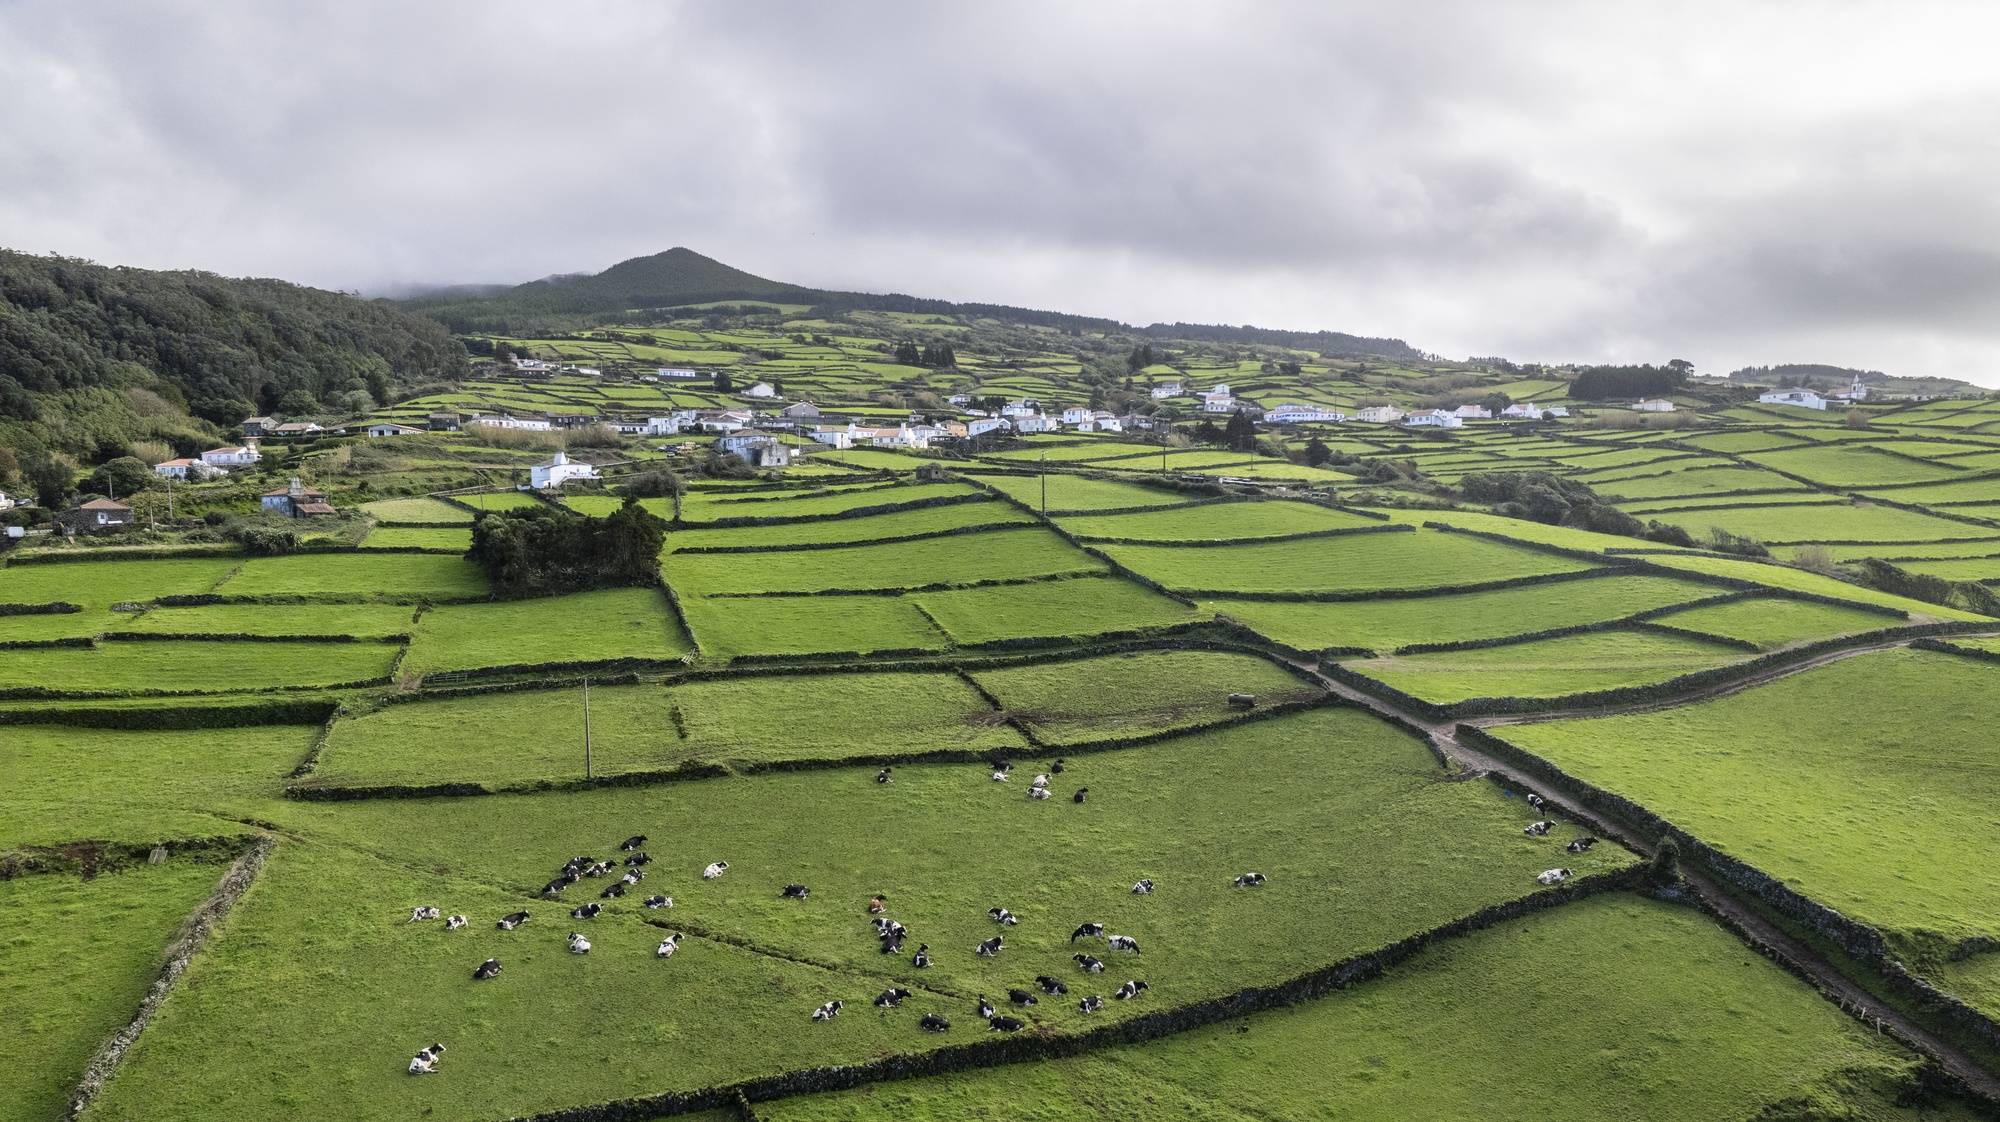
x=588 y=773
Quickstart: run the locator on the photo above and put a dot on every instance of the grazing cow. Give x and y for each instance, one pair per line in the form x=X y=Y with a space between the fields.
x=795 y=892
x=1088 y=964
x=578 y=944
x=1090 y=1004
x=922 y=959
x=1086 y=931
x=1535 y=801
x=659 y=901
x=1038 y=793
x=1553 y=876
x=612 y=892
x=633 y=876
x=512 y=920
x=632 y=843
x=1002 y=915
x=585 y=911
x=1050 y=985
x=715 y=869
x=991 y=948
x=638 y=859
x=1538 y=829
x=1056 y=768
x=555 y=887
x=934 y=1022
x=890 y=998
x=1581 y=845
x=669 y=945
x=827 y=1012
x=1250 y=880
x=488 y=969
x=1041 y=780
x=1142 y=888
x=1122 y=943
x=423 y=913
x=454 y=922
x=985 y=1006
x=876 y=906
x=1005 y=1024
x=883 y=776
x=1243 y=700
x=1082 y=793
x=1130 y=990
x=1022 y=997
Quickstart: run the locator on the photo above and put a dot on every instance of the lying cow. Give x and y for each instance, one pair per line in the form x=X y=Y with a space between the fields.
x=1554 y=876
x=578 y=944
x=1000 y=772
x=669 y=945
x=1002 y=916
x=714 y=870
x=585 y=911
x=556 y=886
x=659 y=901
x=1022 y=997
x=934 y=1022
x=990 y=948
x=922 y=959
x=827 y=1012
x=426 y=1060
x=512 y=920
x=877 y=905
x=1250 y=880
x=1088 y=964
x=1538 y=829
x=1039 y=794
x=417 y=915
x=488 y=969
x=1082 y=793
x=612 y=892
x=1052 y=986
x=795 y=892
x=1087 y=931
x=638 y=859
x=891 y=997
x=454 y=922
x=1122 y=943
x=632 y=843
x=1005 y=1024
x=883 y=776
x=1142 y=888
x=1090 y=1004
x=1041 y=780
x=985 y=1006
x=632 y=877
x=1130 y=990
x=1581 y=845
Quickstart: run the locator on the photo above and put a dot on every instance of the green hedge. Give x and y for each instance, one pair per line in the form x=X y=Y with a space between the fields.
x=299 y=711
x=134 y=553
x=1351 y=595
x=30 y=644
x=93 y=857
x=56 y=608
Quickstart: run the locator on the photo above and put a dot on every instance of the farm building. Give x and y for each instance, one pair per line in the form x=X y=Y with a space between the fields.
x=509 y=421
x=1528 y=410
x=297 y=428
x=97 y=515
x=259 y=426
x=186 y=468
x=1654 y=405
x=1473 y=413
x=6 y=501
x=677 y=373
x=1025 y=407
x=800 y=412
x=1294 y=413
x=1434 y=418
x=390 y=428
x=1166 y=390
x=1035 y=422
x=295 y=500
x=758 y=449
x=1802 y=398
x=841 y=437
x=558 y=471
x=761 y=389
x=959 y=399
x=726 y=420
x=980 y=426
x=1218 y=400
x=1075 y=415
x=1380 y=415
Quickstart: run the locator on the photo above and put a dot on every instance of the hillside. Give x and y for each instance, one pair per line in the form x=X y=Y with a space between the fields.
x=1821 y=376
x=91 y=354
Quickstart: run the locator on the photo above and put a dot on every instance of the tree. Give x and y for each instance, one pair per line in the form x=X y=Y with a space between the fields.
x=1140 y=358
x=542 y=551
x=10 y=466
x=1496 y=403
x=50 y=478
x=1240 y=432
x=126 y=475
x=1856 y=419
x=1682 y=367
x=1317 y=452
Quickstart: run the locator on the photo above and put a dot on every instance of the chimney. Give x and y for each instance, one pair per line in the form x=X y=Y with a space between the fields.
x=297 y=488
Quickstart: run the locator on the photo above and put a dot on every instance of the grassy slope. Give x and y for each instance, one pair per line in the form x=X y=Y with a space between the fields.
x=1771 y=622
x=605 y=624
x=194 y=664
x=1215 y=522
x=1548 y=667
x=1084 y=606
x=1123 y=695
x=1359 y=562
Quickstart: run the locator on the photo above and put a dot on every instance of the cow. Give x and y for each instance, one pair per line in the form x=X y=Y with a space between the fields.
x=1250 y=880
x=424 y=913
x=884 y=927
x=1581 y=845
x=669 y=945
x=890 y=998
x=1535 y=802
x=585 y=911
x=922 y=959
x=795 y=892
x=1538 y=829
x=578 y=944
x=632 y=843
x=883 y=776
x=1002 y=916
x=454 y=922
x=575 y=866
x=1000 y=771
x=1022 y=997
x=1082 y=793
x=1553 y=876
x=632 y=876
x=1090 y=1004
x=1087 y=931
x=488 y=969
x=714 y=870
x=1088 y=964
x=426 y=1060
x=1057 y=767
x=599 y=869
x=985 y=1006
x=892 y=942
x=1122 y=943
x=1005 y=1024
x=1143 y=888
x=512 y=920
x=827 y=1012
x=1041 y=780
x=612 y=892
x=556 y=886
x=877 y=905
x=638 y=859
x=1130 y=990
x=1038 y=794
x=659 y=901
x=1051 y=986
x=934 y=1022
x=990 y=948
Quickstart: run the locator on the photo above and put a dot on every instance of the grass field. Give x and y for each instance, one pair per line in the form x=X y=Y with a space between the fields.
x=360 y=576
x=1074 y=493
x=732 y=626
x=1353 y=563
x=1215 y=522
x=363 y=621
x=1008 y=554
x=611 y=623
x=1088 y=605
x=416 y=537
x=892 y=525
x=499 y=500
x=192 y=665
x=100 y=584
x=1597 y=660
x=1773 y=622
x=1130 y=694
x=1817 y=522
x=1799 y=580
x=392 y=511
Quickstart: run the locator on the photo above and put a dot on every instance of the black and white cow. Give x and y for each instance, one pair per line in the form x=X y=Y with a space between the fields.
x=659 y=901
x=632 y=843
x=991 y=948
x=1535 y=802
x=633 y=876
x=1553 y=876
x=795 y=892
x=1052 y=986
x=613 y=891
x=1082 y=793
x=600 y=869
x=556 y=886
x=512 y=920
x=827 y=1012
x=669 y=945
x=1122 y=943
x=576 y=866
x=488 y=969
x=1041 y=780
x=1130 y=990
x=922 y=959
x=1088 y=964
x=426 y=1060
x=934 y=1022
x=985 y=1006
x=425 y=912
x=585 y=911
x=1250 y=880
x=1039 y=794
x=892 y=942
x=1581 y=845
x=1005 y=1024
x=883 y=776
x=714 y=870
x=1000 y=771
x=1022 y=997
x=1002 y=916
x=890 y=998
x=578 y=944
x=638 y=859
x=454 y=922
x=1090 y=1004
x=1057 y=767
x=1142 y=888
x=1538 y=829
x=1087 y=931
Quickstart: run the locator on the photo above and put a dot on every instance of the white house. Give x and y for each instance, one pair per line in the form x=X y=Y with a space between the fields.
x=1075 y=415
x=1166 y=390
x=1855 y=390
x=1104 y=420
x=1434 y=418
x=959 y=399
x=1380 y=415
x=1022 y=408
x=390 y=428
x=557 y=472
x=232 y=456
x=728 y=420
x=761 y=389
x=1295 y=413
x=1035 y=422
x=524 y=363
x=1803 y=398
x=6 y=501
x=980 y=426
x=902 y=436
x=1521 y=409
x=677 y=373
x=759 y=449
x=1654 y=405
x=509 y=421
x=842 y=437
x=800 y=412
x=297 y=428
x=587 y=371
x=1474 y=413
x=1218 y=400
x=181 y=468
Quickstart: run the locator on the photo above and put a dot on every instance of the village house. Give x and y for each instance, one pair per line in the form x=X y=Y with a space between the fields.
x=522 y=362
x=758 y=449
x=6 y=501
x=1035 y=422
x=761 y=389
x=726 y=420
x=259 y=426
x=509 y=421
x=1027 y=406
x=391 y=428
x=1101 y=420
x=557 y=472
x=186 y=468
x=1380 y=415
x=800 y=412
x=295 y=500
x=442 y=422
x=1295 y=413
x=1166 y=390
x=1654 y=405
x=677 y=373
x=1218 y=400
x=96 y=516
x=1802 y=398
x=1434 y=418
x=832 y=437
x=1473 y=413
x=980 y=426
x=238 y=455
x=573 y=420
x=1139 y=422
x=296 y=429
x=959 y=399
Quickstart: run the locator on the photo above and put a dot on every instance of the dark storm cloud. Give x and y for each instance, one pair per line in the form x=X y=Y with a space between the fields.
x=1552 y=181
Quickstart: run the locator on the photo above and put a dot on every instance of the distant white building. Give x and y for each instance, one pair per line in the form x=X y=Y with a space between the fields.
x=509 y=421
x=6 y=501
x=1801 y=398
x=959 y=399
x=183 y=468
x=238 y=455
x=1474 y=413
x=677 y=373
x=1434 y=419
x=833 y=436
x=1027 y=406
x=523 y=363
x=1295 y=413
x=1035 y=422
x=758 y=449
x=1075 y=415
x=1380 y=415
x=390 y=428
x=1166 y=390
x=980 y=426
x=1654 y=405
x=1218 y=400
x=558 y=471
x=761 y=389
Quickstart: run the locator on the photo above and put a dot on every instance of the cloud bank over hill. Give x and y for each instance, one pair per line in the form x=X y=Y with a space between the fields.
x=1559 y=182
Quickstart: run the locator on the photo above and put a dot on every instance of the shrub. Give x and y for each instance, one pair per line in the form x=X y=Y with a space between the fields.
x=540 y=550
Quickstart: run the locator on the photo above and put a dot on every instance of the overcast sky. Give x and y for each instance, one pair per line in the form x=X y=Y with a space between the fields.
x=1730 y=183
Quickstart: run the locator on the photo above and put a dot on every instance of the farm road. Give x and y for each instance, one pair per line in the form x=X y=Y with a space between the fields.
x=1749 y=923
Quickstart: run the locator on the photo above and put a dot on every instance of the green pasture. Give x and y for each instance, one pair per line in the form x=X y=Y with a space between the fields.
x=1799 y=580
x=1072 y=700
x=192 y=665
x=1088 y=605
x=1350 y=563
x=896 y=524
x=732 y=626
x=1843 y=522
x=1546 y=668
x=391 y=511
x=499 y=500
x=1003 y=554
x=100 y=584
x=416 y=537
x=610 y=623
x=363 y=621
x=1216 y=522
x=1071 y=494
x=1772 y=622
x=358 y=576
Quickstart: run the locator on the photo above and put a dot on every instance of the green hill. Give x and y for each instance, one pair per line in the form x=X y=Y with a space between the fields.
x=678 y=276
